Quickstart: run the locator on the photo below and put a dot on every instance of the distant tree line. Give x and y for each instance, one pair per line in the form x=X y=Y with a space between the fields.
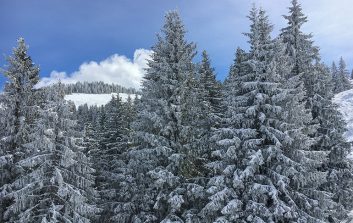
x=98 y=87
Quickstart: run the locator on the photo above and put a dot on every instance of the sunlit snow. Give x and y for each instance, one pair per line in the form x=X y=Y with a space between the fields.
x=94 y=99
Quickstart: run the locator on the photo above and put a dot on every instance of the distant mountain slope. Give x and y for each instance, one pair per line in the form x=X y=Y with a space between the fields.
x=94 y=99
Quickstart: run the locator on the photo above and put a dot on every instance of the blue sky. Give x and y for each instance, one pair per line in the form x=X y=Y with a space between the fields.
x=66 y=34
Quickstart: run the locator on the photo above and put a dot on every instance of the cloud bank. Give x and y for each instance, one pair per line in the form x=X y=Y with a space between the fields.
x=117 y=69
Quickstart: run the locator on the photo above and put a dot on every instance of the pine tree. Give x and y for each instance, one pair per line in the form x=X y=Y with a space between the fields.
x=328 y=136
x=56 y=184
x=299 y=47
x=212 y=89
x=334 y=74
x=90 y=139
x=218 y=191
x=109 y=160
x=82 y=116
x=330 y=139
x=194 y=137
x=163 y=134
x=264 y=170
x=20 y=109
x=340 y=77
x=129 y=110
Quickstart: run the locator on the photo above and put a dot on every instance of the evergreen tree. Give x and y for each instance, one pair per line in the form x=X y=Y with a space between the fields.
x=299 y=46
x=110 y=164
x=264 y=170
x=129 y=110
x=164 y=135
x=194 y=137
x=90 y=139
x=340 y=77
x=330 y=139
x=212 y=93
x=56 y=180
x=328 y=135
x=334 y=74
x=18 y=115
x=83 y=115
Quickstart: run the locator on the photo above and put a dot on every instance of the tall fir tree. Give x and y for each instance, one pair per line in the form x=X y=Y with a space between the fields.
x=109 y=161
x=56 y=184
x=334 y=73
x=330 y=139
x=340 y=77
x=129 y=110
x=299 y=47
x=264 y=170
x=212 y=91
x=327 y=138
x=18 y=115
x=164 y=136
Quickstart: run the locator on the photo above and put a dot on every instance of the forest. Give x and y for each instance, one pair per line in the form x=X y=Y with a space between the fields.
x=266 y=145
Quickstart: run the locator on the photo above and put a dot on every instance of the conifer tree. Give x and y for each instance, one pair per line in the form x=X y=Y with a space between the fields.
x=299 y=46
x=129 y=110
x=330 y=139
x=340 y=77
x=56 y=184
x=328 y=135
x=334 y=72
x=264 y=170
x=109 y=161
x=18 y=115
x=212 y=91
x=162 y=133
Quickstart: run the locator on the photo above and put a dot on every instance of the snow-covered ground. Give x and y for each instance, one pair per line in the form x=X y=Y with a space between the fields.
x=94 y=99
x=344 y=100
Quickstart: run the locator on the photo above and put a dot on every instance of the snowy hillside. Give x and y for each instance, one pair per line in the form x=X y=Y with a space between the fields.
x=94 y=99
x=344 y=100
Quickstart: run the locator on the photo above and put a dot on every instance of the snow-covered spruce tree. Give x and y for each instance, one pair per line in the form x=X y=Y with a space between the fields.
x=90 y=140
x=194 y=137
x=100 y=119
x=330 y=138
x=19 y=111
x=218 y=189
x=334 y=73
x=83 y=116
x=340 y=77
x=265 y=171
x=56 y=183
x=109 y=162
x=129 y=110
x=163 y=134
x=299 y=47
x=212 y=91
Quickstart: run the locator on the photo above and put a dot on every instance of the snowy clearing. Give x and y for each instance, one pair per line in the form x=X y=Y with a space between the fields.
x=94 y=99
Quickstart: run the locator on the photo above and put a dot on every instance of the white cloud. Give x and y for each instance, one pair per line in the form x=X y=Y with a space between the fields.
x=116 y=69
